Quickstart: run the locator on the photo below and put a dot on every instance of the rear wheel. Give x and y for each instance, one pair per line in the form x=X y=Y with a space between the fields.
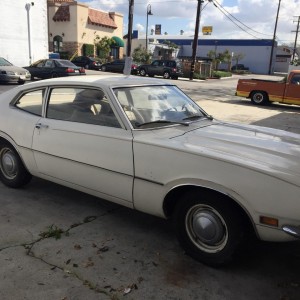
x=12 y=171
x=209 y=227
x=259 y=98
x=54 y=75
x=166 y=75
x=103 y=69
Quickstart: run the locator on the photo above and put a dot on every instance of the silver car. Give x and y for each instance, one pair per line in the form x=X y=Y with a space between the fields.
x=11 y=73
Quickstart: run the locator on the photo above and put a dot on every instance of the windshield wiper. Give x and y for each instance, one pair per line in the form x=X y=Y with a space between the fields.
x=162 y=122
x=195 y=117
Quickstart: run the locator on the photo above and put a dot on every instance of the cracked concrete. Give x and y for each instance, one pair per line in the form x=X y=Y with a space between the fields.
x=110 y=252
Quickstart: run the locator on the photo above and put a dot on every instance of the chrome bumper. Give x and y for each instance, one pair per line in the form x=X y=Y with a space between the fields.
x=292 y=230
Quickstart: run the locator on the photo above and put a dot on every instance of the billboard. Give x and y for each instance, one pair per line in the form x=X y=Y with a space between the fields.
x=207 y=30
x=158 y=29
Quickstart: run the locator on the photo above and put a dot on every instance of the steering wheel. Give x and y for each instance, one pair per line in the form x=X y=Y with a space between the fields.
x=138 y=116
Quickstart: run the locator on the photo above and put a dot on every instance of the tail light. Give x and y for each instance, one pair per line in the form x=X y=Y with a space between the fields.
x=70 y=70
x=174 y=69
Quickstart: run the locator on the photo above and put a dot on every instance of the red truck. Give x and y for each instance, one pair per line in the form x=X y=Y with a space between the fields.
x=262 y=92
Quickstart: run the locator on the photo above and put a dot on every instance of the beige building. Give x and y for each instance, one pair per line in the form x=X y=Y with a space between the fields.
x=73 y=27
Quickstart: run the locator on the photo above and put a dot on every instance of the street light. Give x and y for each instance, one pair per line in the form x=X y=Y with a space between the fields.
x=27 y=7
x=149 y=12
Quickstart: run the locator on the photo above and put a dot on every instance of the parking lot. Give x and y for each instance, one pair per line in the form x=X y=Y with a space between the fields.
x=57 y=243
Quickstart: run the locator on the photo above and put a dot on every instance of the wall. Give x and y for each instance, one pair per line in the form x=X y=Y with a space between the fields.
x=14 y=44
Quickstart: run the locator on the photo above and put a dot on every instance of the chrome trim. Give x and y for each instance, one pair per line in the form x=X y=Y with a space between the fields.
x=292 y=230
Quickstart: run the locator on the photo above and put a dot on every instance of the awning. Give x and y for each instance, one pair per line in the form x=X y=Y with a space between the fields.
x=118 y=41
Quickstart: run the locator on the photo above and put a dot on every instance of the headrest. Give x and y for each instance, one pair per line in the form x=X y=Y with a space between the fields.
x=89 y=96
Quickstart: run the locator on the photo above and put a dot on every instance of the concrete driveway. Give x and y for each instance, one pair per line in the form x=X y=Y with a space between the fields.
x=57 y=243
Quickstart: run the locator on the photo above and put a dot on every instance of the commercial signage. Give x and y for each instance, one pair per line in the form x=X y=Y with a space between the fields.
x=207 y=30
x=158 y=29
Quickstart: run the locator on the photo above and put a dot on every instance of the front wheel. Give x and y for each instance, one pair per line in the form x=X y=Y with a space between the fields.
x=143 y=72
x=259 y=98
x=103 y=69
x=166 y=75
x=208 y=227
x=12 y=171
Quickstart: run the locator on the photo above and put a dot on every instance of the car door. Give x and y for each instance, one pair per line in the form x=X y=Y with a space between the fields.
x=80 y=143
x=292 y=92
x=156 y=68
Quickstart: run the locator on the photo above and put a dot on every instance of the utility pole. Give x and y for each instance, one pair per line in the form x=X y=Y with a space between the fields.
x=273 y=41
x=128 y=59
x=295 y=45
x=195 y=42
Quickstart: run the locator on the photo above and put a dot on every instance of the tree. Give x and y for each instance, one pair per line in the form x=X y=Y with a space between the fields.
x=141 y=55
x=237 y=57
x=104 y=45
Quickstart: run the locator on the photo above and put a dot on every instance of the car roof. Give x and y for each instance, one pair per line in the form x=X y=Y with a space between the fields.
x=100 y=80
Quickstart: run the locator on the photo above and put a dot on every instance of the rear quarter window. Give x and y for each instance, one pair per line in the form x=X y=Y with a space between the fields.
x=31 y=102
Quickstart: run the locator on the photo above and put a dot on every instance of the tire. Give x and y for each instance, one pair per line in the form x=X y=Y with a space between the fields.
x=103 y=69
x=208 y=227
x=259 y=98
x=175 y=77
x=143 y=72
x=12 y=170
x=54 y=75
x=86 y=67
x=166 y=75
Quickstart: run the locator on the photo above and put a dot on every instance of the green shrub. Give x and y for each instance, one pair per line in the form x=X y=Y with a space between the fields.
x=220 y=74
x=88 y=49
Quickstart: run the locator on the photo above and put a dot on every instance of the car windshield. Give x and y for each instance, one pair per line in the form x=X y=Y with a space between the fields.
x=4 y=62
x=156 y=106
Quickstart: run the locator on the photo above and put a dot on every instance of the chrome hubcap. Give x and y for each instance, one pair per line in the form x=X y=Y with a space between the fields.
x=206 y=228
x=8 y=163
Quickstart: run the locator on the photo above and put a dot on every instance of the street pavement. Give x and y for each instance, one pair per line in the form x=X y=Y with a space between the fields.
x=60 y=244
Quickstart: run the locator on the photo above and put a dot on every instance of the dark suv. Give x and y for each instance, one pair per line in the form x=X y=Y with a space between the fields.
x=86 y=62
x=166 y=68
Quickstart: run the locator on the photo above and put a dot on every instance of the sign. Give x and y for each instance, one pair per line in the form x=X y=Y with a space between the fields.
x=158 y=29
x=207 y=30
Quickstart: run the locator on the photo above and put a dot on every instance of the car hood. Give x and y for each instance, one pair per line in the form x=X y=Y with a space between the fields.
x=272 y=151
x=14 y=69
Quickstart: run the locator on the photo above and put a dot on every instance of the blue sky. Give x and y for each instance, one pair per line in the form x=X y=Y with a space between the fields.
x=249 y=18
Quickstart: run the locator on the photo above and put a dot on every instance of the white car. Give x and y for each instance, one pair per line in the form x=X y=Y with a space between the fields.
x=144 y=144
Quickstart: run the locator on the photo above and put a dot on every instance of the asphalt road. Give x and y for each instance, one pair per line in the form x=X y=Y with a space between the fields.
x=105 y=251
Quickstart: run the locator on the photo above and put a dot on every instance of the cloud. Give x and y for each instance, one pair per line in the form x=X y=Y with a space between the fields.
x=237 y=19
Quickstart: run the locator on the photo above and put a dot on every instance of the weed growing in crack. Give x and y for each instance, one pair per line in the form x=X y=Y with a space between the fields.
x=53 y=231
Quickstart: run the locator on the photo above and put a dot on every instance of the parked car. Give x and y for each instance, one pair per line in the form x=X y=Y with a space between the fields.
x=144 y=144
x=166 y=68
x=118 y=66
x=11 y=73
x=263 y=92
x=240 y=67
x=86 y=62
x=51 y=68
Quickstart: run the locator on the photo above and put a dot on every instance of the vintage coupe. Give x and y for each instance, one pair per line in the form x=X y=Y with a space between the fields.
x=144 y=144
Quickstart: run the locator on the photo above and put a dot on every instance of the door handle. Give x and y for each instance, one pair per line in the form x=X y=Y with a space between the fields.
x=41 y=125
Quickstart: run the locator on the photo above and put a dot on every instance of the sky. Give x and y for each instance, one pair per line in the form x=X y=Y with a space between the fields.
x=250 y=19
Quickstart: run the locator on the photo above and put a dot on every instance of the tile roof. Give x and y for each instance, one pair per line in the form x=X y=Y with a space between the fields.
x=62 y=14
x=100 y=18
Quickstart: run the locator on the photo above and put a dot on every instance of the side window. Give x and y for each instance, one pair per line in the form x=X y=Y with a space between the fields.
x=88 y=106
x=296 y=79
x=49 y=64
x=155 y=63
x=31 y=102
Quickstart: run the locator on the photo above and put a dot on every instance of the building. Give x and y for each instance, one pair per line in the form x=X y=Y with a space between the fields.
x=23 y=31
x=254 y=54
x=73 y=26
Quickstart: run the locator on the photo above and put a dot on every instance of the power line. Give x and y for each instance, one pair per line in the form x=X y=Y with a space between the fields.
x=239 y=20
